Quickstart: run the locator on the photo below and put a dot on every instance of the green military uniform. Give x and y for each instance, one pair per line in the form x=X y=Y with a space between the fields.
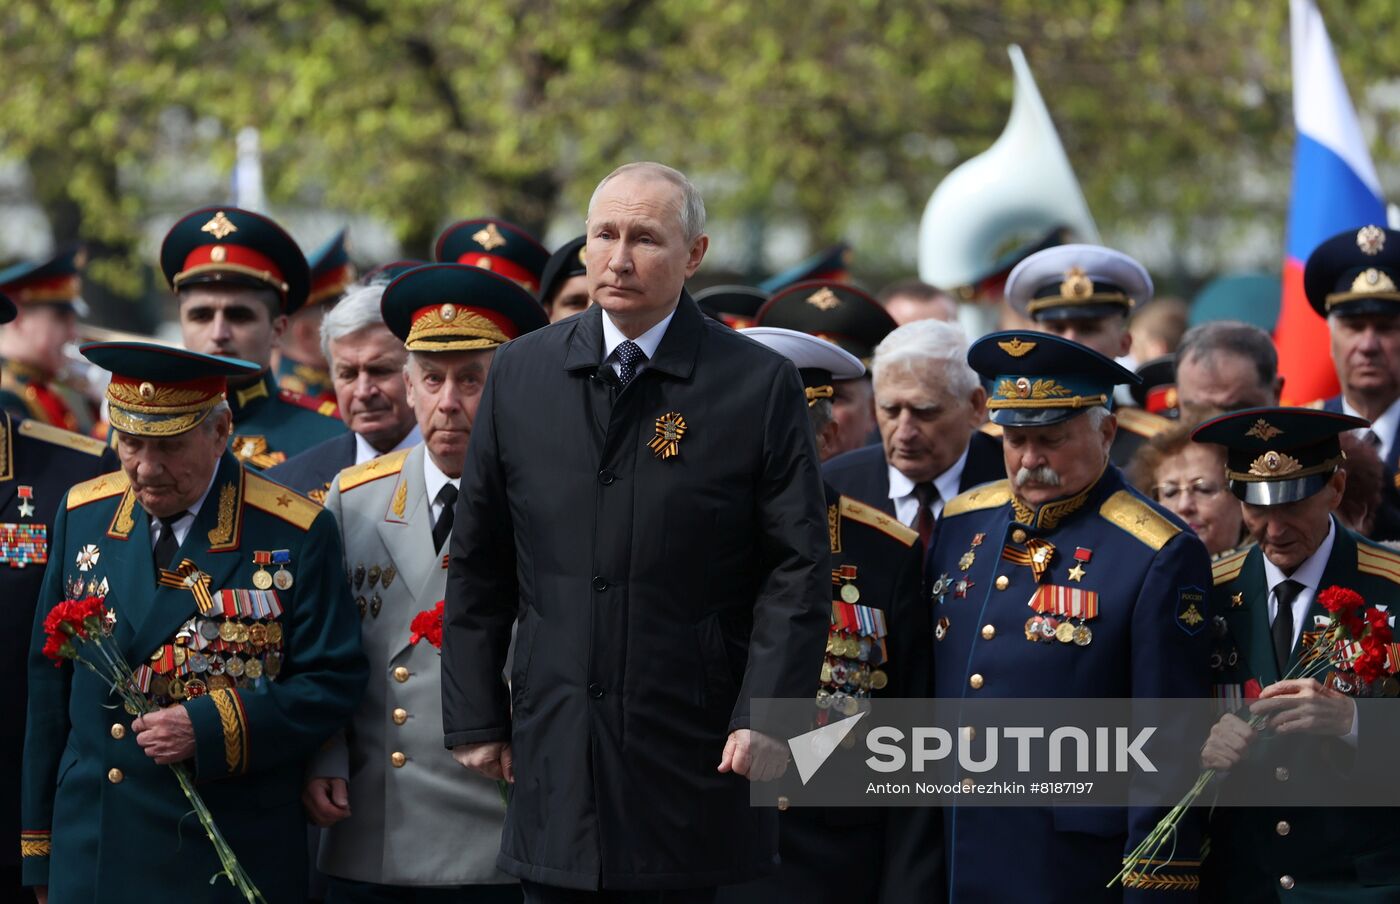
x=268 y=665
x=229 y=246
x=332 y=272
x=1283 y=853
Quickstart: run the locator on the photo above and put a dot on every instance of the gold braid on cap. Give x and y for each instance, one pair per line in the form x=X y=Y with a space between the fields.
x=1370 y=283
x=1281 y=466
x=450 y=328
x=138 y=424
x=147 y=398
x=817 y=393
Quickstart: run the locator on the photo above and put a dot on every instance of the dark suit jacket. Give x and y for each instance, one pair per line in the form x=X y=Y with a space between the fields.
x=1387 y=526
x=657 y=596
x=862 y=473
x=313 y=470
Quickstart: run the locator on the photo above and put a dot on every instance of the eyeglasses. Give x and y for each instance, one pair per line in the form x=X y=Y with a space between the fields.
x=1200 y=488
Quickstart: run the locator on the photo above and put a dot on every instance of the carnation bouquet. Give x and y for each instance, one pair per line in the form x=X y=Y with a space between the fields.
x=81 y=630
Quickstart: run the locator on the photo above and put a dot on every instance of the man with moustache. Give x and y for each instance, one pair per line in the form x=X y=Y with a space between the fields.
x=928 y=404
x=641 y=494
x=366 y=362
x=238 y=277
x=1062 y=581
x=407 y=821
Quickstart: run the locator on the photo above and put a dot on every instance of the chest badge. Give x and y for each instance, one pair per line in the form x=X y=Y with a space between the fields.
x=26 y=502
x=670 y=428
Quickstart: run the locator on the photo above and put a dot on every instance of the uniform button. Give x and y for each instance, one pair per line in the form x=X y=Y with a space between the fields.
x=988 y=632
x=118 y=731
x=1283 y=828
x=606 y=477
x=398 y=759
x=976 y=682
x=1018 y=536
x=400 y=716
x=1285 y=882
x=401 y=674
x=1281 y=773
x=595 y=690
x=599 y=584
x=115 y=776
x=1003 y=582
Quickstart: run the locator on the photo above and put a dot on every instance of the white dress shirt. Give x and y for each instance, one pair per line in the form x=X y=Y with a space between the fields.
x=906 y=504
x=182 y=526
x=1309 y=574
x=364 y=451
x=1384 y=426
x=647 y=342
x=434 y=480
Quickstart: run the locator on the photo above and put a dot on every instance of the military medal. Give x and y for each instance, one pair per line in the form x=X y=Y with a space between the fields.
x=968 y=558
x=26 y=502
x=208 y=629
x=274 y=633
x=941 y=631
x=261 y=579
x=1081 y=558
x=234 y=665
x=88 y=556
x=282 y=579
x=823 y=699
x=1033 y=628
x=375 y=604
x=359 y=575
x=388 y=576
x=361 y=605
x=257 y=635
x=878 y=680
x=940 y=587
x=849 y=593
x=195 y=688
x=254 y=669
x=373 y=576
x=1064 y=632
x=1083 y=635
x=960 y=589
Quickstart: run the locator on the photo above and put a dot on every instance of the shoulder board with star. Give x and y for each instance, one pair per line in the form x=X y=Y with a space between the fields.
x=1378 y=560
x=992 y=429
x=1228 y=565
x=375 y=468
x=1135 y=516
x=988 y=495
x=57 y=436
x=104 y=487
x=327 y=409
x=873 y=517
x=275 y=499
x=1143 y=423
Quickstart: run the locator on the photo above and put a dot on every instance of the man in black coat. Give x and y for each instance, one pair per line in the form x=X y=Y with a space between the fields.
x=642 y=490
x=928 y=404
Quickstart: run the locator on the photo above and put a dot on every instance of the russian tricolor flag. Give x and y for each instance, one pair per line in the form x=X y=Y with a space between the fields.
x=1335 y=188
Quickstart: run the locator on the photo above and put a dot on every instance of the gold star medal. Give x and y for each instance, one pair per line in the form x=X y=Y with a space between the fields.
x=670 y=427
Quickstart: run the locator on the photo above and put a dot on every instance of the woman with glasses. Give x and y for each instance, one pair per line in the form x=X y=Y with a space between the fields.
x=1189 y=479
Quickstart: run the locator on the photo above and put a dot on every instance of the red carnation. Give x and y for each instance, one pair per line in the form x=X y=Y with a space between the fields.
x=427 y=625
x=1338 y=600
x=1252 y=689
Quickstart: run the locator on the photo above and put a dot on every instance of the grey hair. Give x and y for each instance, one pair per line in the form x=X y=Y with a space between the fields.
x=1096 y=416
x=1236 y=337
x=820 y=412
x=212 y=417
x=928 y=342
x=692 y=205
x=354 y=312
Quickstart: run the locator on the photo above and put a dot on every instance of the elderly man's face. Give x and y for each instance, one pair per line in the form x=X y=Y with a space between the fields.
x=1108 y=335
x=569 y=299
x=1222 y=380
x=923 y=426
x=170 y=473
x=1054 y=462
x=1366 y=351
x=367 y=372
x=444 y=389
x=229 y=320
x=1287 y=534
x=853 y=412
x=637 y=254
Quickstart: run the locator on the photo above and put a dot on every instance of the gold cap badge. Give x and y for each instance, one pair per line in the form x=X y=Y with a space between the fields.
x=1370 y=239
x=220 y=227
x=1274 y=464
x=1264 y=430
x=1016 y=348
x=488 y=237
x=823 y=299
x=1077 y=285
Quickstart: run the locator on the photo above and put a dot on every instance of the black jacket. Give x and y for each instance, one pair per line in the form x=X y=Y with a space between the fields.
x=862 y=473
x=656 y=597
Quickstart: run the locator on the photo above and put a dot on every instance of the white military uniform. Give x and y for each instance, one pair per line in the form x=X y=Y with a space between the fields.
x=418 y=818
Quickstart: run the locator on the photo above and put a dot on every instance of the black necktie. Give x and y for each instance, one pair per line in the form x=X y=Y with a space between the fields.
x=629 y=355
x=1286 y=592
x=927 y=494
x=448 y=497
x=166 y=544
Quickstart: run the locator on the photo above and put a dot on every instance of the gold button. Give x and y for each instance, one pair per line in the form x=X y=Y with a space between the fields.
x=118 y=731
x=1285 y=882
x=398 y=759
x=1003 y=582
x=400 y=716
x=976 y=682
x=1018 y=536
x=115 y=776
x=783 y=802
x=1281 y=773
x=1283 y=828
x=988 y=632
x=401 y=674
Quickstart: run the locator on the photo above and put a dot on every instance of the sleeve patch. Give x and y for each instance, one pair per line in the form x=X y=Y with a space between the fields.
x=1191 y=609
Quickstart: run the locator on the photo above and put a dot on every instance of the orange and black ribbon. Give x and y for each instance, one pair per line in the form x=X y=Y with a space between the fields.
x=1037 y=555
x=187 y=576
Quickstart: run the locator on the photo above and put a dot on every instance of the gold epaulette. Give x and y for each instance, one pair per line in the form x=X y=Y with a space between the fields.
x=103 y=487
x=873 y=517
x=329 y=409
x=1127 y=511
x=275 y=499
x=1143 y=423
x=375 y=468
x=1316 y=404
x=1379 y=561
x=992 y=429
x=59 y=437
x=988 y=495
x=1228 y=566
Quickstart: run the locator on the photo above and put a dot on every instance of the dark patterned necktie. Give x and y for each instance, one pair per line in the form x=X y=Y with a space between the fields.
x=448 y=497
x=1282 y=630
x=927 y=494
x=629 y=355
x=166 y=544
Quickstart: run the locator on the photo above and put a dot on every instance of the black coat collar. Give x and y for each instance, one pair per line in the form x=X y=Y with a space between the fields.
x=675 y=355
